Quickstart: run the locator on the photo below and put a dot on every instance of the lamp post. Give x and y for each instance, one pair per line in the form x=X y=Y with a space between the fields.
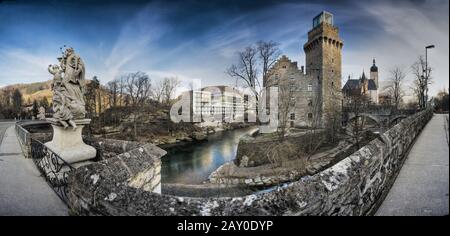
x=426 y=73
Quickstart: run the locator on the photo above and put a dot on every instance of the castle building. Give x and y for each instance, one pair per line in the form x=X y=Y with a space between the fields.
x=363 y=86
x=314 y=91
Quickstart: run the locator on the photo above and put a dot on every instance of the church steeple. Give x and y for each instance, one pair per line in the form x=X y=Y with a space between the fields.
x=374 y=68
x=374 y=72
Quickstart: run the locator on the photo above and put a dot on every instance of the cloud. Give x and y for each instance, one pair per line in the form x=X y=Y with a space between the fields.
x=21 y=64
x=135 y=36
x=406 y=32
x=200 y=40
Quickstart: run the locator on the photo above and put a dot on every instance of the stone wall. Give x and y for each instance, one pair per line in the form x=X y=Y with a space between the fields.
x=353 y=186
x=277 y=173
x=253 y=150
x=126 y=164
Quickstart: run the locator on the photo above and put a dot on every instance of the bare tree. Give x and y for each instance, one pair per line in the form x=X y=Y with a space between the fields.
x=138 y=88
x=421 y=81
x=356 y=104
x=286 y=104
x=121 y=89
x=169 y=87
x=395 y=87
x=158 y=90
x=268 y=55
x=113 y=90
x=246 y=69
x=90 y=97
x=333 y=114
x=313 y=143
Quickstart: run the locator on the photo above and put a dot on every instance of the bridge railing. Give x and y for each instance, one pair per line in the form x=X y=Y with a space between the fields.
x=380 y=109
x=54 y=169
x=23 y=134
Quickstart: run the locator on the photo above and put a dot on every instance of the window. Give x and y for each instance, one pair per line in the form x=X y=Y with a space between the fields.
x=309 y=87
x=292 y=116
x=310 y=103
x=310 y=116
x=284 y=67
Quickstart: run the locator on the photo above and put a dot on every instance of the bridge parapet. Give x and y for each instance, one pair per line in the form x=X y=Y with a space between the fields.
x=384 y=116
x=354 y=186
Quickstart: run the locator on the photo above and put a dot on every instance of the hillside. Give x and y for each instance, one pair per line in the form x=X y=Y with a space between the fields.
x=33 y=91
x=39 y=90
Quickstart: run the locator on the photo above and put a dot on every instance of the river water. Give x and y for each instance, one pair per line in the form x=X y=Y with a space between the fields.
x=193 y=163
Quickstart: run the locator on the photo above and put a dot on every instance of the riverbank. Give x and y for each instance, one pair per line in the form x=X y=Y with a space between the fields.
x=192 y=164
x=191 y=134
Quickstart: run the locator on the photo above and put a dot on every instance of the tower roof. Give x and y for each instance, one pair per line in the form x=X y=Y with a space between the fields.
x=374 y=68
x=323 y=17
x=363 y=76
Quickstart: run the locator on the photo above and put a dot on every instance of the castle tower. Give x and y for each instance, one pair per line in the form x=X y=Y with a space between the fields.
x=323 y=61
x=374 y=73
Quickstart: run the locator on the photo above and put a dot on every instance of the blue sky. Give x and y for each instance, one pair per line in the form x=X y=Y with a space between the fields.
x=195 y=39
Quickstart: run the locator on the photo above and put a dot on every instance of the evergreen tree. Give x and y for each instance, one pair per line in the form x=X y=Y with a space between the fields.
x=35 y=108
x=17 y=101
x=44 y=103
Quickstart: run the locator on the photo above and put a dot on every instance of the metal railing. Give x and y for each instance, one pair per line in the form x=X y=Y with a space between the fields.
x=22 y=134
x=54 y=169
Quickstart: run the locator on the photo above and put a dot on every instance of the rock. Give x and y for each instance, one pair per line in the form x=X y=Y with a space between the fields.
x=244 y=161
x=199 y=136
x=171 y=140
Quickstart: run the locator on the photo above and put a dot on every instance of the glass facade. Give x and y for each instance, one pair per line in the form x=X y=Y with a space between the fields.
x=325 y=17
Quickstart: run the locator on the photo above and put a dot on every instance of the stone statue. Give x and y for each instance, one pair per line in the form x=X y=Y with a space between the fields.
x=69 y=110
x=68 y=89
x=41 y=113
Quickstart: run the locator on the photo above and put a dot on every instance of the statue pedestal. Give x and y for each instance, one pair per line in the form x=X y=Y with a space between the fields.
x=68 y=143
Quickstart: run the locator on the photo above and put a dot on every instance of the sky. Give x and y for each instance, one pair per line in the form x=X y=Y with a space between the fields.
x=194 y=39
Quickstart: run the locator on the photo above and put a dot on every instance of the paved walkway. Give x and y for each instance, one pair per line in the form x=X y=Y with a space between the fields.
x=22 y=190
x=422 y=185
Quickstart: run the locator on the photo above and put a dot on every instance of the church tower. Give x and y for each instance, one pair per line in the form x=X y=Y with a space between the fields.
x=374 y=73
x=323 y=62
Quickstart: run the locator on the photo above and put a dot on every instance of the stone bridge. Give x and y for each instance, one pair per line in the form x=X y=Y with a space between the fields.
x=383 y=116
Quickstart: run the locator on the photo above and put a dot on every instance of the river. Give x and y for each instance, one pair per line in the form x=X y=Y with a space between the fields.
x=193 y=163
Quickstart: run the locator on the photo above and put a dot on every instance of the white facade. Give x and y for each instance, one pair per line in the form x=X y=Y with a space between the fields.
x=218 y=104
